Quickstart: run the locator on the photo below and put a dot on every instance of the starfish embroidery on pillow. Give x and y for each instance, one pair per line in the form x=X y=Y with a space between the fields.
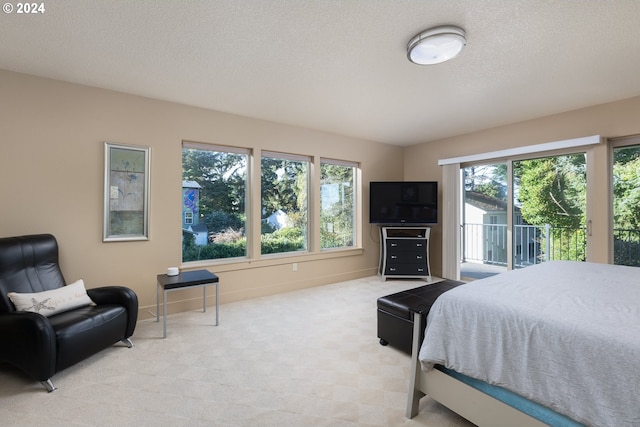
x=40 y=305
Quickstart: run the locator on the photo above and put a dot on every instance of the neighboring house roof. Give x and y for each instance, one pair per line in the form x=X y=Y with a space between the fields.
x=485 y=202
x=199 y=228
x=190 y=184
x=278 y=220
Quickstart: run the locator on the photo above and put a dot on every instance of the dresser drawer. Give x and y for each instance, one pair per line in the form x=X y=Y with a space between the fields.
x=406 y=269
x=406 y=257
x=406 y=244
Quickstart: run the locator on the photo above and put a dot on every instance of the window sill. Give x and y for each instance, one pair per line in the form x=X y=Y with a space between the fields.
x=235 y=264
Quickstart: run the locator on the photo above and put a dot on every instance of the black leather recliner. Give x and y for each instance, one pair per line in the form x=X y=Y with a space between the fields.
x=41 y=346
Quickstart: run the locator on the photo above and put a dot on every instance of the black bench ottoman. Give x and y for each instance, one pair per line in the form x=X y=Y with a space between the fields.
x=395 y=312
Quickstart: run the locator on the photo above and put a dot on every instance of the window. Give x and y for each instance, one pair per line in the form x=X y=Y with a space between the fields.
x=214 y=194
x=493 y=220
x=216 y=199
x=626 y=203
x=284 y=202
x=188 y=218
x=337 y=207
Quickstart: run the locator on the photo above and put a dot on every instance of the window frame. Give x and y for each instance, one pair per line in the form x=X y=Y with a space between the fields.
x=614 y=144
x=254 y=258
x=247 y=199
x=354 y=194
x=306 y=230
x=188 y=218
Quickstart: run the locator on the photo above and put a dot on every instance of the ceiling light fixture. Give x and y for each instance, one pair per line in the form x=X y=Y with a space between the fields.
x=436 y=45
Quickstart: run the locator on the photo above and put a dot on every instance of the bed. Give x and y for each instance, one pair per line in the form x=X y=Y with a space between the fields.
x=553 y=344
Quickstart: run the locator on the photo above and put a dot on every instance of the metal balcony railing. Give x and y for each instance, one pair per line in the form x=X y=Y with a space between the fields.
x=626 y=247
x=532 y=244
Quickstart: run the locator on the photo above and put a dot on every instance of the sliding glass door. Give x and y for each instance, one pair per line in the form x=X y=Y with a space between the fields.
x=483 y=222
x=519 y=213
x=549 y=209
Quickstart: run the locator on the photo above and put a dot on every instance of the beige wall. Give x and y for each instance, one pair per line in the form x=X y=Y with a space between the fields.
x=52 y=169
x=52 y=135
x=610 y=120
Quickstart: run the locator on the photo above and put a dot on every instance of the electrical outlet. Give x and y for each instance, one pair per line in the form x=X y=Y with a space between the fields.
x=295 y=266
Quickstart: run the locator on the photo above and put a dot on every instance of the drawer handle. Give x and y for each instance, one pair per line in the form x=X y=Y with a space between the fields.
x=392 y=269
x=393 y=245
x=421 y=270
x=419 y=245
x=394 y=256
x=418 y=256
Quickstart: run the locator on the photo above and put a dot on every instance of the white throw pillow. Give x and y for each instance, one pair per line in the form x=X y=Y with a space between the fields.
x=55 y=301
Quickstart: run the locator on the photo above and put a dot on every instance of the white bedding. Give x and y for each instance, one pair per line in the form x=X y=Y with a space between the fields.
x=564 y=334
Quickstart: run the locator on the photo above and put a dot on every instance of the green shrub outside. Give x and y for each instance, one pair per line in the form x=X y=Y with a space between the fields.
x=234 y=249
x=218 y=221
x=289 y=239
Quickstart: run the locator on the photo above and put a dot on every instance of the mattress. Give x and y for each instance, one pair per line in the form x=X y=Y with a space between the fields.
x=563 y=334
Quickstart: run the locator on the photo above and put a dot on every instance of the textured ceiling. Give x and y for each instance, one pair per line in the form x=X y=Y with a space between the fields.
x=340 y=66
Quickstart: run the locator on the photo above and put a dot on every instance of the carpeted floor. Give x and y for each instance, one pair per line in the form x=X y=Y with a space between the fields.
x=303 y=358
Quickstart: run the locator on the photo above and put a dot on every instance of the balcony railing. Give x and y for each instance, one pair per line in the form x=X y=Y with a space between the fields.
x=533 y=244
x=626 y=247
x=487 y=243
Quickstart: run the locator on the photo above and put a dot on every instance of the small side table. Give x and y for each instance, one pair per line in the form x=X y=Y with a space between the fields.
x=185 y=279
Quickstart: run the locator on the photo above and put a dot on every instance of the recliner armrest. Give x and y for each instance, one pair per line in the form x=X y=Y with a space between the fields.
x=28 y=342
x=118 y=295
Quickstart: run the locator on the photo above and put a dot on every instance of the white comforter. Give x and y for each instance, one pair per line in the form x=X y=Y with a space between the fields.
x=564 y=334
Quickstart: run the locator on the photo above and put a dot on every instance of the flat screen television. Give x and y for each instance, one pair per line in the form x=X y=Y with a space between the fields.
x=403 y=202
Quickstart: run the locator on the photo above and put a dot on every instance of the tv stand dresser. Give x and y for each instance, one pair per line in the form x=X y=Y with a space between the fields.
x=404 y=252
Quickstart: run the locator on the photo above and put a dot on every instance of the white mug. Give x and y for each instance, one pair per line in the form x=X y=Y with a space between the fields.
x=172 y=271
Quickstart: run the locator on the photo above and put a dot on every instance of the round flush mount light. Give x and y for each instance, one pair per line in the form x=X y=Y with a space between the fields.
x=436 y=45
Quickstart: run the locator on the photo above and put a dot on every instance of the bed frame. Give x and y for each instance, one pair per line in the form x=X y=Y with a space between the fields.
x=474 y=405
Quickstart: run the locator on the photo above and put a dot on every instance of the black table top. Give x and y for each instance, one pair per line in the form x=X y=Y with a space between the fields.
x=187 y=278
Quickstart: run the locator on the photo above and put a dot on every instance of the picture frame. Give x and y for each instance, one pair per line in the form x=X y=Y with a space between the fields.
x=126 y=192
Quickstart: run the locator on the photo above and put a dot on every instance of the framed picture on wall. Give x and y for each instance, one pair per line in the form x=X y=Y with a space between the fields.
x=126 y=192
